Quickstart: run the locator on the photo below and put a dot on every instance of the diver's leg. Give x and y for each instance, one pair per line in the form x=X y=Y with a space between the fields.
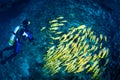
x=8 y=58
x=5 y=49
x=16 y=49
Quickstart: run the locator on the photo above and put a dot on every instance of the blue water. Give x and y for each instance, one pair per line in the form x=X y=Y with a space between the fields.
x=27 y=65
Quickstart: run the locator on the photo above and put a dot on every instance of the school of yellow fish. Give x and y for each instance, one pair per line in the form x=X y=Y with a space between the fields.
x=80 y=50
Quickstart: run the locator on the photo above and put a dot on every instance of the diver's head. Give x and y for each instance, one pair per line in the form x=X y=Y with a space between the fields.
x=26 y=22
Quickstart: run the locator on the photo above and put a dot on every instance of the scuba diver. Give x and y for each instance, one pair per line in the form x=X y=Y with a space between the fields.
x=19 y=33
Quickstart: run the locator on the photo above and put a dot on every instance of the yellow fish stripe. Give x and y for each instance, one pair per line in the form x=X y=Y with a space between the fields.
x=87 y=66
x=54 y=25
x=94 y=58
x=84 y=31
x=101 y=36
x=61 y=17
x=51 y=43
x=105 y=37
x=63 y=21
x=91 y=33
x=81 y=27
x=97 y=67
x=83 y=37
x=52 y=48
x=107 y=61
x=55 y=38
x=101 y=45
x=92 y=38
x=96 y=48
x=71 y=32
x=88 y=58
x=80 y=69
x=86 y=48
x=64 y=37
x=92 y=48
x=60 y=24
x=97 y=40
x=95 y=73
x=105 y=53
x=58 y=32
x=93 y=66
x=43 y=28
x=71 y=28
x=88 y=30
x=53 y=21
x=55 y=28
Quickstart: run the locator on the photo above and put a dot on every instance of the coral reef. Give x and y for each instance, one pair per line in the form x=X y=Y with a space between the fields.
x=81 y=50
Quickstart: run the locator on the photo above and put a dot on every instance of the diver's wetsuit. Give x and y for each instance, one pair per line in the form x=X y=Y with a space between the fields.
x=15 y=47
x=22 y=33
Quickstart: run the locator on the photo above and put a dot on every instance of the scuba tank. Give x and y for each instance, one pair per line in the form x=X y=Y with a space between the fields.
x=13 y=35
